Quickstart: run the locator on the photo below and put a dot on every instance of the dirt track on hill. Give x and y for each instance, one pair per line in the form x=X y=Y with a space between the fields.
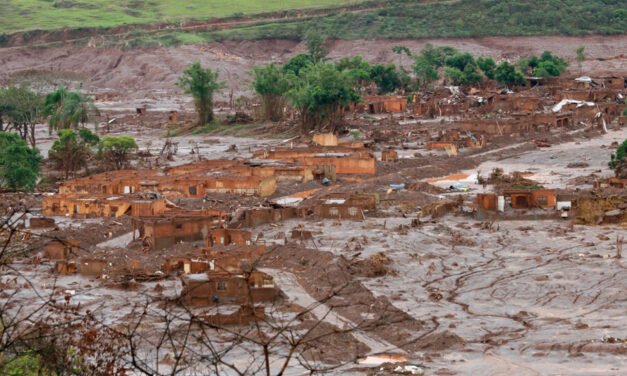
x=141 y=73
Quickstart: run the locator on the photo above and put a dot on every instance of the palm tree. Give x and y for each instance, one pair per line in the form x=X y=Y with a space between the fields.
x=68 y=109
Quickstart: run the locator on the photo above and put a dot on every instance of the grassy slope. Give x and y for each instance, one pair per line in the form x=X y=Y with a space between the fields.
x=21 y=15
x=463 y=18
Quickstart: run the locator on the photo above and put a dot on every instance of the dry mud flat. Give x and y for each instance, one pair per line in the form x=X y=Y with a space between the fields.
x=139 y=74
x=516 y=297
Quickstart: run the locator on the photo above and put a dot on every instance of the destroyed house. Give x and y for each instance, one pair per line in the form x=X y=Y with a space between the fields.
x=352 y=207
x=235 y=258
x=110 y=183
x=59 y=249
x=527 y=199
x=197 y=183
x=345 y=160
x=382 y=104
x=214 y=288
x=194 y=185
x=89 y=206
x=226 y=236
x=162 y=232
x=514 y=103
x=615 y=82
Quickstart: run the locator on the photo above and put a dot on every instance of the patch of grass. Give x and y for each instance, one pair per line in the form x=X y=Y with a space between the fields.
x=207 y=128
x=22 y=15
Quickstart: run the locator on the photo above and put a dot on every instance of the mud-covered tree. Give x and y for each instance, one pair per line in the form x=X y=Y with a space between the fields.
x=315 y=45
x=73 y=150
x=271 y=85
x=321 y=93
x=68 y=109
x=202 y=84
x=581 y=56
x=116 y=150
x=506 y=74
x=19 y=164
x=400 y=50
x=21 y=109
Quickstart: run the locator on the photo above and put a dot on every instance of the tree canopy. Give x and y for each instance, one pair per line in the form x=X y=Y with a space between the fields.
x=21 y=109
x=19 y=164
x=315 y=45
x=507 y=74
x=297 y=63
x=68 y=109
x=487 y=66
x=115 y=150
x=320 y=93
x=73 y=150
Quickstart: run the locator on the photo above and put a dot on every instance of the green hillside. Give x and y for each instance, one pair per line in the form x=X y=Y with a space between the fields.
x=22 y=15
x=462 y=18
x=375 y=19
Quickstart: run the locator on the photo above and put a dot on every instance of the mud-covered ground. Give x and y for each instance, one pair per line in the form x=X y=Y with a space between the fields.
x=140 y=76
x=463 y=296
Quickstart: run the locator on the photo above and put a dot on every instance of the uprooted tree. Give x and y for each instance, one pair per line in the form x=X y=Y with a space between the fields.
x=202 y=84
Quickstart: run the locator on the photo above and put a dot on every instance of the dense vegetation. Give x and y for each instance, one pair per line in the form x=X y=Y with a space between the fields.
x=465 y=18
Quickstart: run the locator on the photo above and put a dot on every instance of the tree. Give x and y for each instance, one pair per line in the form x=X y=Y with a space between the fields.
x=19 y=164
x=115 y=150
x=271 y=85
x=506 y=74
x=386 y=77
x=400 y=50
x=619 y=156
x=297 y=63
x=460 y=61
x=581 y=55
x=22 y=110
x=357 y=69
x=202 y=84
x=487 y=66
x=320 y=93
x=470 y=76
x=454 y=75
x=73 y=150
x=68 y=109
x=553 y=64
x=436 y=56
x=425 y=71
x=315 y=45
